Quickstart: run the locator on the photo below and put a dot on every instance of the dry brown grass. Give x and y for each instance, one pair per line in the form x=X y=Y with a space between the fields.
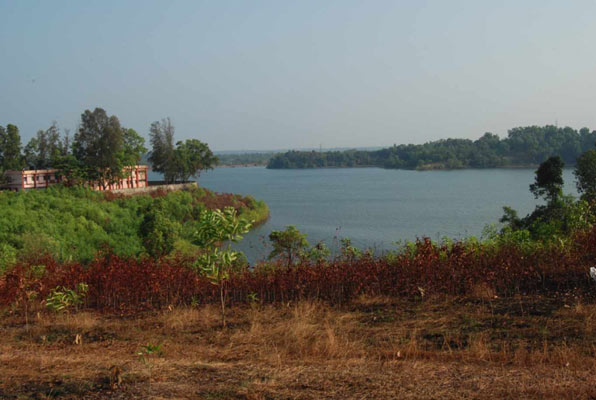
x=373 y=348
x=182 y=319
x=306 y=330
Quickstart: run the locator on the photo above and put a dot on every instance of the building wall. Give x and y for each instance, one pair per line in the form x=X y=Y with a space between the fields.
x=40 y=179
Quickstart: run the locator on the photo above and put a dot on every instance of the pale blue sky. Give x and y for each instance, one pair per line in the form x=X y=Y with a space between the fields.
x=288 y=74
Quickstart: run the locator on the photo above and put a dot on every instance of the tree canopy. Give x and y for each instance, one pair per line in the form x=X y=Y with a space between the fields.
x=10 y=148
x=192 y=157
x=549 y=179
x=44 y=150
x=177 y=163
x=585 y=173
x=98 y=144
x=163 y=157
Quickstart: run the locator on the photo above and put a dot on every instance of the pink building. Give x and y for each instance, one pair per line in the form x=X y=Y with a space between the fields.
x=42 y=178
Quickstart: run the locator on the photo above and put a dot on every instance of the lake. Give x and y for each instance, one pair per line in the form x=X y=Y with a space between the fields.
x=377 y=207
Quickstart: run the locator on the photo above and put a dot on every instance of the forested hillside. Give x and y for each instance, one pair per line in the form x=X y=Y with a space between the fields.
x=525 y=146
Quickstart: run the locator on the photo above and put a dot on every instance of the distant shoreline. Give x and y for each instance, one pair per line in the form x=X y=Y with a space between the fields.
x=241 y=165
x=525 y=166
x=529 y=166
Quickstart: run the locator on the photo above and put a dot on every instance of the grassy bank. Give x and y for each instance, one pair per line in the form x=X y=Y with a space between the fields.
x=73 y=224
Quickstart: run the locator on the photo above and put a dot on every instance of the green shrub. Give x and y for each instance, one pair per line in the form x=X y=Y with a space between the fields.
x=74 y=223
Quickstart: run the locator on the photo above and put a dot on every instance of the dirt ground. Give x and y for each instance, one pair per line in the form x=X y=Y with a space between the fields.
x=375 y=348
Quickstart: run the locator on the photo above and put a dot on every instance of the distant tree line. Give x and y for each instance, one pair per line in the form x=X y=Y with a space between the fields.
x=102 y=149
x=524 y=146
x=245 y=158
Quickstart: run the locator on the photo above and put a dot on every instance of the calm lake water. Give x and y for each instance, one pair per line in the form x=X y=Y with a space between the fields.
x=377 y=207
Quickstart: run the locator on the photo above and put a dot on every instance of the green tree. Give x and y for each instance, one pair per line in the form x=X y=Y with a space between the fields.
x=511 y=219
x=70 y=170
x=178 y=162
x=288 y=244
x=585 y=174
x=98 y=146
x=133 y=148
x=216 y=227
x=10 y=148
x=45 y=148
x=192 y=157
x=549 y=180
x=163 y=152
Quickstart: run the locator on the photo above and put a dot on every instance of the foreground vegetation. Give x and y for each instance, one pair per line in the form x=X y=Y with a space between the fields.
x=508 y=317
x=74 y=224
x=526 y=146
x=128 y=285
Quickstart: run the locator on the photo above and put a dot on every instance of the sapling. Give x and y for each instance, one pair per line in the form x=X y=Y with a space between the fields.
x=215 y=228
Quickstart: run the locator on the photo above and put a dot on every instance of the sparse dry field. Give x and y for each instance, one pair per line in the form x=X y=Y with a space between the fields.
x=374 y=348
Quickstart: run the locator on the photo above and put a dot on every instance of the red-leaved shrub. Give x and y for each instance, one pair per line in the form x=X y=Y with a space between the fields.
x=126 y=285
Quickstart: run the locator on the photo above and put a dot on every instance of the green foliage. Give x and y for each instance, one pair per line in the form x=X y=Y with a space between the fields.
x=101 y=149
x=98 y=145
x=348 y=251
x=62 y=299
x=10 y=148
x=549 y=180
x=186 y=159
x=523 y=147
x=318 y=253
x=511 y=219
x=257 y=210
x=71 y=171
x=163 y=156
x=245 y=158
x=288 y=244
x=216 y=227
x=8 y=256
x=192 y=157
x=555 y=220
x=44 y=150
x=133 y=148
x=74 y=223
x=149 y=350
x=585 y=173
x=159 y=233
